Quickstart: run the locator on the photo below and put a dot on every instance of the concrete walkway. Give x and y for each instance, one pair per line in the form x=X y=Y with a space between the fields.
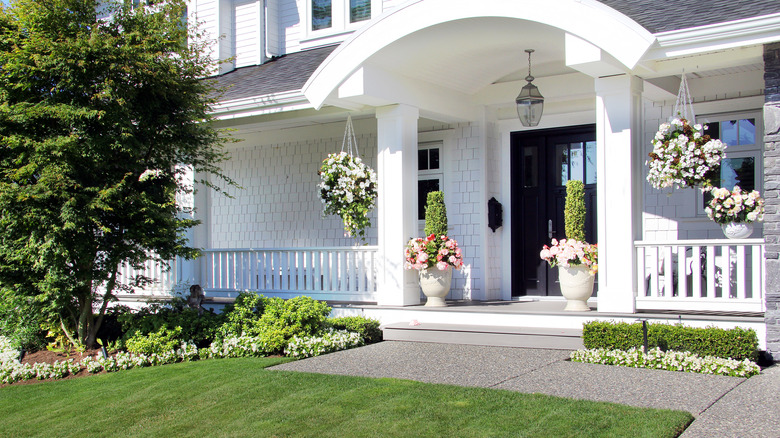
x=723 y=406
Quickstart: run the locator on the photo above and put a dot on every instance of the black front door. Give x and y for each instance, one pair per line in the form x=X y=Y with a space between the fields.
x=542 y=162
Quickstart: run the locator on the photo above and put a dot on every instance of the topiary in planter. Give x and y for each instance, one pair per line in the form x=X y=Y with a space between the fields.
x=436 y=215
x=574 y=211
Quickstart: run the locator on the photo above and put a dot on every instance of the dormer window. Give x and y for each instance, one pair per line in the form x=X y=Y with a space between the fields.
x=329 y=18
x=359 y=10
x=321 y=14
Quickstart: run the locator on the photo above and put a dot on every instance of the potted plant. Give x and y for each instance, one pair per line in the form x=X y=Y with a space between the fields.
x=576 y=259
x=735 y=210
x=683 y=156
x=435 y=255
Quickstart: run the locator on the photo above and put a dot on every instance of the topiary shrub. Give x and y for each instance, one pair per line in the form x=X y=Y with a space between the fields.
x=367 y=328
x=574 y=210
x=435 y=215
x=736 y=343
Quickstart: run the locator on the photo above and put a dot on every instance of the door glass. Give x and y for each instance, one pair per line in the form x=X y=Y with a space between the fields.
x=530 y=167
x=590 y=162
x=738 y=172
x=747 y=131
x=561 y=164
x=577 y=168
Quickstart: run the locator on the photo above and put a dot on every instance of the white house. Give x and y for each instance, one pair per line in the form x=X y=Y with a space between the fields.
x=430 y=85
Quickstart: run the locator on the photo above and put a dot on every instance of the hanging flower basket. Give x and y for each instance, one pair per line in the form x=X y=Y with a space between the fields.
x=682 y=156
x=348 y=189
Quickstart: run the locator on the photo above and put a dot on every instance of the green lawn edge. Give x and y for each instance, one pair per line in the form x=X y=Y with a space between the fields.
x=240 y=397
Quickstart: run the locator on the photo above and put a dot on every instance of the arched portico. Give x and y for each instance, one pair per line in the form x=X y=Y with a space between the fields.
x=449 y=61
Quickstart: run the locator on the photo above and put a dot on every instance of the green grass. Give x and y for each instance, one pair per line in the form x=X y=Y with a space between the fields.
x=238 y=397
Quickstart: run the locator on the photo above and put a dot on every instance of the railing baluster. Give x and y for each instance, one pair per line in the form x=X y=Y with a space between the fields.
x=725 y=253
x=696 y=270
x=682 y=273
x=740 y=274
x=758 y=269
x=710 y=272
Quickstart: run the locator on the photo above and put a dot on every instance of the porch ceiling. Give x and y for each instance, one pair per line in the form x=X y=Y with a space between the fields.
x=468 y=55
x=450 y=69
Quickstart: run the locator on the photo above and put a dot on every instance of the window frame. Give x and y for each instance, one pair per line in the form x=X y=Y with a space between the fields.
x=755 y=150
x=340 y=23
x=430 y=174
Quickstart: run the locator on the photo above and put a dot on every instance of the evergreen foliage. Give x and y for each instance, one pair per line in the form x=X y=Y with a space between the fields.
x=103 y=111
x=574 y=210
x=436 y=215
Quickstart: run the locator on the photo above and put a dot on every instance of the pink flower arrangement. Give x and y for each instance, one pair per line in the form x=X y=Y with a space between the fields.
x=567 y=252
x=441 y=252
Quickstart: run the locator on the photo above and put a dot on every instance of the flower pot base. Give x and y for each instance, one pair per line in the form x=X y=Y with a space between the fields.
x=435 y=302
x=576 y=306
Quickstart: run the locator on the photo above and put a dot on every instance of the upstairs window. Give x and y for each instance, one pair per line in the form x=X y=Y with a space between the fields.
x=321 y=14
x=359 y=10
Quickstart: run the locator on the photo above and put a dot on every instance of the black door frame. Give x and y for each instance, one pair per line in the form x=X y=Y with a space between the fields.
x=528 y=236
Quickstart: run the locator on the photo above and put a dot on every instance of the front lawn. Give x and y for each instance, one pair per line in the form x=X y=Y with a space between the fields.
x=238 y=397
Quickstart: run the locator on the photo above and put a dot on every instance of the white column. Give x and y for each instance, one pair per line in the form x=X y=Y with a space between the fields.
x=189 y=271
x=618 y=122
x=397 y=202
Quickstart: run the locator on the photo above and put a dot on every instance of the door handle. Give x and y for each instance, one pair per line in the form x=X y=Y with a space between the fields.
x=549 y=229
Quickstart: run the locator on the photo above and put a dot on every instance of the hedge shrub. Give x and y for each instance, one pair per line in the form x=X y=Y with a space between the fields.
x=367 y=328
x=736 y=343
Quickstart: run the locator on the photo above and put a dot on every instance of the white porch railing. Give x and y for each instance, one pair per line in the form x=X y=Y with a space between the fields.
x=327 y=273
x=703 y=275
x=163 y=280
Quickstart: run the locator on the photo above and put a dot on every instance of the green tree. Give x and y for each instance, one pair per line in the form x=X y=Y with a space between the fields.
x=103 y=112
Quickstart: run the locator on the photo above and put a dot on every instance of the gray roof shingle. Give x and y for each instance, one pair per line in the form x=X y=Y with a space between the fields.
x=285 y=73
x=665 y=15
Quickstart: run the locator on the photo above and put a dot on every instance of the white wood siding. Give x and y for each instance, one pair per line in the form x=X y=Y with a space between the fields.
x=248 y=32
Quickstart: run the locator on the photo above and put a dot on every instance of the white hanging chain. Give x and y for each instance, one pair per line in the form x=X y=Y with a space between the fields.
x=349 y=138
x=684 y=102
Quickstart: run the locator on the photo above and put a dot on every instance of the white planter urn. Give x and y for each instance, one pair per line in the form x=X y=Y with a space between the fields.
x=737 y=230
x=435 y=284
x=576 y=287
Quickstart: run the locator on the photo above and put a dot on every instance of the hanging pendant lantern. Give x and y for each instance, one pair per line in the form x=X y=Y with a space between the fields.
x=530 y=102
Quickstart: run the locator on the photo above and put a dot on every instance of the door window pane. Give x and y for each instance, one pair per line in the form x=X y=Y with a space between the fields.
x=561 y=164
x=577 y=166
x=321 y=16
x=530 y=167
x=590 y=162
x=359 y=10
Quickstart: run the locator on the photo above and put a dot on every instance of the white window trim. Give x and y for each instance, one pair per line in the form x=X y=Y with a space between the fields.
x=739 y=151
x=431 y=173
x=340 y=25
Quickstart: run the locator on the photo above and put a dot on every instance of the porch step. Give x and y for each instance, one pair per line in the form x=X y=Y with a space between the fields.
x=496 y=336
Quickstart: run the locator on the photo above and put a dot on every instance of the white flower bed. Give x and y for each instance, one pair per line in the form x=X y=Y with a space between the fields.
x=316 y=345
x=11 y=370
x=668 y=360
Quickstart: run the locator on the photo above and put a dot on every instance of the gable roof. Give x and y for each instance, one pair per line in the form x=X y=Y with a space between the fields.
x=665 y=15
x=285 y=73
